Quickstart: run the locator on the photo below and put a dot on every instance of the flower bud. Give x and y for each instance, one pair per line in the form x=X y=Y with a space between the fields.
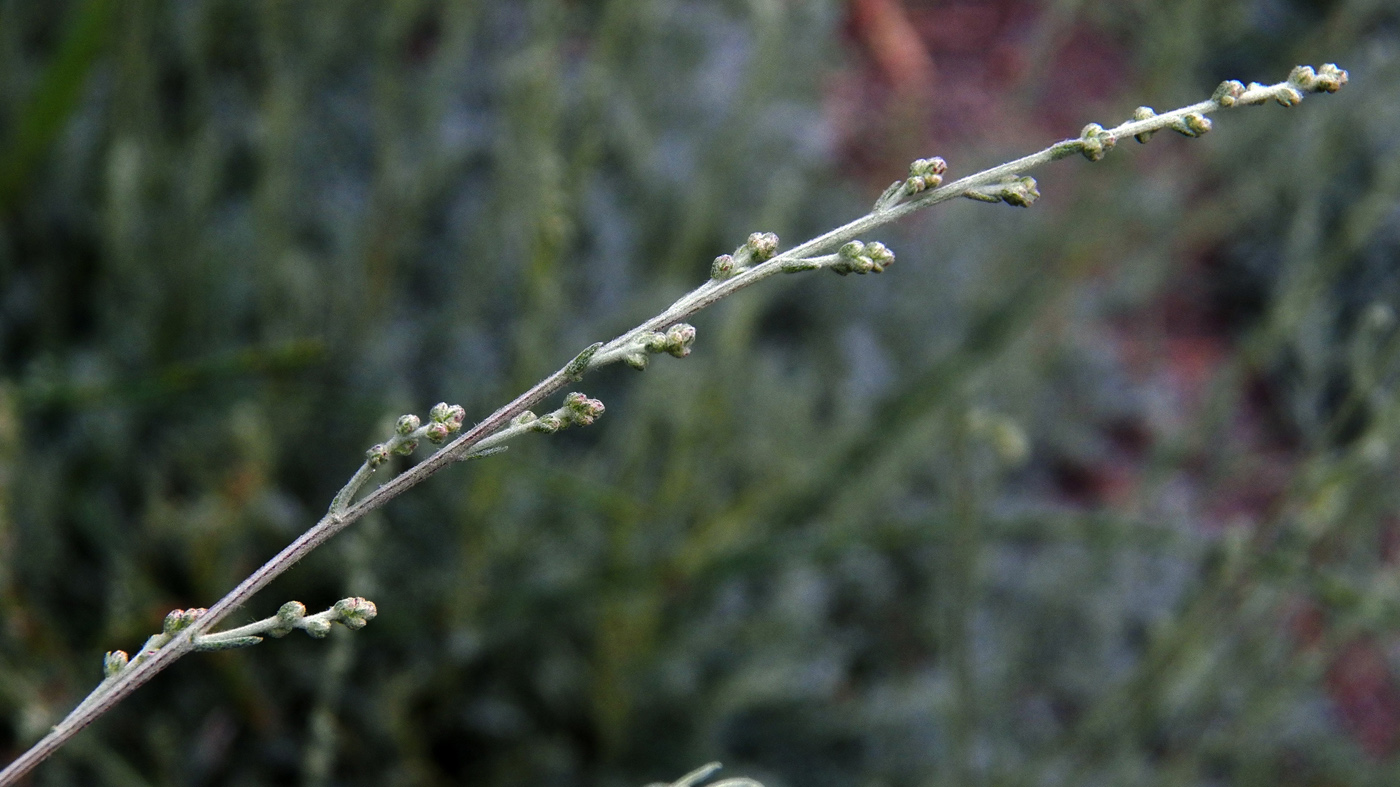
x=1192 y=125
x=925 y=173
x=1145 y=113
x=548 y=424
x=316 y=627
x=456 y=414
x=582 y=410
x=114 y=662
x=1096 y=141
x=1288 y=96
x=377 y=455
x=355 y=612
x=439 y=412
x=406 y=448
x=406 y=424
x=654 y=342
x=1020 y=192
x=437 y=433
x=880 y=255
x=762 y=245
x=723 y=267
x=1228 y=93
x=288 y=616
x=180 y=619
x=524 y=418
x=1328 y=79
x=679 y=337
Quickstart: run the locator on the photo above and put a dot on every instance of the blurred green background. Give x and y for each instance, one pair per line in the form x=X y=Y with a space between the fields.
x=1099 y=493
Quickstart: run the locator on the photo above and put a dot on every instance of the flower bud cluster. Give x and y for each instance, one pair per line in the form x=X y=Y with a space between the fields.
x=1020 y=191
x=443 y=420
x=1095 y=141
x=1192 y=125
x=1328 y=79
x=759 y=247
x=354 y=613
x=858 y=257
x=675 y=341
x=180 y=619
x=578 y=410
x=581 y=410
x=925 y=173
x=1228 y=93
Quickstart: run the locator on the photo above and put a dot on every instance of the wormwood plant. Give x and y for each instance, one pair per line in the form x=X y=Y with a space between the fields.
x=841 y=250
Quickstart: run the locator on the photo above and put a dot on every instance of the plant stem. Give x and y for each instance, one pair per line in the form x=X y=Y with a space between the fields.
x=468 y=445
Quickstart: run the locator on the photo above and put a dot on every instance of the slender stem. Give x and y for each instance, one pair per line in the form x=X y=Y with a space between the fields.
x=467 y=445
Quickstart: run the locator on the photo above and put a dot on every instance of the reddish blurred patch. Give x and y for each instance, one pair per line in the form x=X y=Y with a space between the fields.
x=1359 y=682
x=932 y=77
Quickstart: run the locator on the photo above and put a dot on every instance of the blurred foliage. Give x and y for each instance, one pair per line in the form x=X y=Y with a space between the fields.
x=1098 y=493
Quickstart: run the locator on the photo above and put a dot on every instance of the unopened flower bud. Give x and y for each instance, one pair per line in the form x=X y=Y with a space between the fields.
x=925 y=173
x=355 y=612
x=456 y=414
x=723 y=267
x=1288 y=96
x=1020 y=192
x=1096 y=141
x=1144 y=113
x=1192 y=125
x=406 y=448
x=180 y=619
x=582 y=410
x=439 y=412
x=406 y=424
x=762 y=245
x=288 y=616
x=1328 y=79
x=880 y=255
x=1228 y=93
x=316 y=627
x=377 y=455
x=654 y=342
x=548 y=424
x=437 y=433
x=114 y=662
x=858 y=257
x=679 y=337
x=524 y=418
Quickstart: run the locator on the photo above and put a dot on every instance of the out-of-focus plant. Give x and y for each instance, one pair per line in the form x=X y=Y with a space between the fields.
x=757 y=259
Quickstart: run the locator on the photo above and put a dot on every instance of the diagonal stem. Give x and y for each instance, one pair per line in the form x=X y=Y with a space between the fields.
x=148 y=663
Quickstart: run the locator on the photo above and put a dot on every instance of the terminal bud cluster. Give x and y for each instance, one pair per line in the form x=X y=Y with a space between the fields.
x=858 y=257
x=760 y=247
x=674 y=341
